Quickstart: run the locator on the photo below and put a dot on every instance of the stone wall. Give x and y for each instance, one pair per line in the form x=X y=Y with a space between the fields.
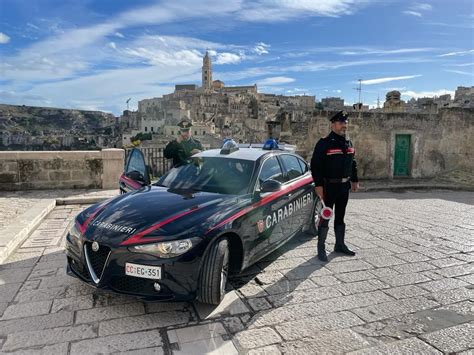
x=439 y=142
x=61 y=169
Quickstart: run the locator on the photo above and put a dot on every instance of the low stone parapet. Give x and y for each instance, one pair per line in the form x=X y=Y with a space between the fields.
x=37 y=170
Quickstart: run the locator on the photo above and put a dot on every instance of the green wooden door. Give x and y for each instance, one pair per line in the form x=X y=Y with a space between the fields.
x=402 y=155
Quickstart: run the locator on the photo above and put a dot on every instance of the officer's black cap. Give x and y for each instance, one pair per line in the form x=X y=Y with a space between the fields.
x=341 y=116
x=185 y=125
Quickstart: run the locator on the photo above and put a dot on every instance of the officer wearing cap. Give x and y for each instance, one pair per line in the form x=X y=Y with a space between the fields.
x=334 y=171
x=226 y=133
x=184 y=146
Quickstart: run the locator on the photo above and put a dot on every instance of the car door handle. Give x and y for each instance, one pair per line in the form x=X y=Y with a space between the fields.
x=287 y=197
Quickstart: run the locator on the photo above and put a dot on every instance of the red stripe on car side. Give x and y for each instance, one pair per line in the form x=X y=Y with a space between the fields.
x=264 y=201
x=136 y=238
x=83 y=226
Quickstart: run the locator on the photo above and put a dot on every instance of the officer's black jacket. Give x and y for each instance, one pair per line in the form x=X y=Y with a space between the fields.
x=180 y=152
x=333 y=158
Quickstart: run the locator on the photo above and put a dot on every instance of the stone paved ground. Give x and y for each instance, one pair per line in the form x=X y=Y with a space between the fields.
x=410 y=289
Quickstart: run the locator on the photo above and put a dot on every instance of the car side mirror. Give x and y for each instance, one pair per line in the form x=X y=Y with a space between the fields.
x=136 y=176
x=270 y=185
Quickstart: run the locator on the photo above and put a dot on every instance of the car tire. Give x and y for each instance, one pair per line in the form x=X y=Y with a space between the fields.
x=214 y=272
x=315 y=216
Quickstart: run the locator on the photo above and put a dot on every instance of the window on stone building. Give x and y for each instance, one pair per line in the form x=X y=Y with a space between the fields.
x=152 y=129
x=146 y=128
x=172 y=133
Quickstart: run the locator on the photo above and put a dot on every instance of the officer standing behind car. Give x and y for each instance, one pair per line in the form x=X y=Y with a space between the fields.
x=334 y=171
x=184 y=146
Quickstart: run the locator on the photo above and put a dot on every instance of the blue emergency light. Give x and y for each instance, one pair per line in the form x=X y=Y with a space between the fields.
x=270 y=144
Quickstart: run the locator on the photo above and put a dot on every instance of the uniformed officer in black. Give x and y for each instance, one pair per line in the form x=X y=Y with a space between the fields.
x=184 y=146
x=334 y=171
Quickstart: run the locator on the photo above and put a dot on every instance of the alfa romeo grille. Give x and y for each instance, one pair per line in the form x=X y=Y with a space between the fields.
x=96 y=260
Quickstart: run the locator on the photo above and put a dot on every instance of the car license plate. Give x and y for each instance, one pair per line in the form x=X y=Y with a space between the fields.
x=143 y=271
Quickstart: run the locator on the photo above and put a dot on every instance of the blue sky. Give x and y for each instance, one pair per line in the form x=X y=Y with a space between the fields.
x=95 y=54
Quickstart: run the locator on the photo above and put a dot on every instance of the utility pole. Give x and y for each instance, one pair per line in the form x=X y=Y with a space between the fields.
x=359 y=89
x=378 y=101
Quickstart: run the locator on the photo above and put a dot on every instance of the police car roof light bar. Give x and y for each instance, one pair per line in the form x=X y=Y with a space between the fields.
x=229 y=146
x=286 y=147
x=270 y=144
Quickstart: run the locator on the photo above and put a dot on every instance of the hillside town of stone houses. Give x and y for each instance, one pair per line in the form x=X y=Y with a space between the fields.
x=299 y=120
x=254 y=116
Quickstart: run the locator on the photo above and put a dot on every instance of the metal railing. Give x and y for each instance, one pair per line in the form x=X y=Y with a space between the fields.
x=155 y=159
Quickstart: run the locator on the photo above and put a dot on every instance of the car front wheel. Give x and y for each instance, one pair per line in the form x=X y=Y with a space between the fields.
x=214 y=272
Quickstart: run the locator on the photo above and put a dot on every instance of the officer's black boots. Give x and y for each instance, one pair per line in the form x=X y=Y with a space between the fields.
x=322 y=234
x=340 y=231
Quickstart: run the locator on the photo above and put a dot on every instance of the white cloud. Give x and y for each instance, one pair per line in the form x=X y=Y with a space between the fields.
x=118 y=34
x=282 y=10
x=177 y=50
x=417 y=9
x=460 y=53
x=80 y=48
x=310 y=66
x=413 y=13
x=367 y=51
x=261 y=48
x=395 y=88
x=468 y=25
x=4 y=38
x=176 y=59
x=314 y=66
x=227 y=58
x=109 y=89
x=276 y=80
x=112 y=45
x=388 y=79
x=460 y=72
x=421 y=7
x=470 y=64
x=416 y=95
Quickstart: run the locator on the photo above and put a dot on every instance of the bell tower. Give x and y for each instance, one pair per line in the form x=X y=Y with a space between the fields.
x=206 y=72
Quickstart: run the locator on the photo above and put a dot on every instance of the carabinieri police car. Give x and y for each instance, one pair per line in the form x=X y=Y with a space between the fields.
x=178 y=239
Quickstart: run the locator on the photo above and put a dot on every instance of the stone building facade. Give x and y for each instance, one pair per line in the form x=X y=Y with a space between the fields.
x=213 y=105
x=437 y=142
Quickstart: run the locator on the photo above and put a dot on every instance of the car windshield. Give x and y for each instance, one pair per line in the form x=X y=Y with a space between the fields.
x=211 y=174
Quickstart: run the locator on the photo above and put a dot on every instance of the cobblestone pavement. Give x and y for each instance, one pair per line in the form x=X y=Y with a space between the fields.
x=410 y=289
x=14 y=204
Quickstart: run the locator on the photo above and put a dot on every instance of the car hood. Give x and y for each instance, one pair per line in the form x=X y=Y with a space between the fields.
x=152 y=211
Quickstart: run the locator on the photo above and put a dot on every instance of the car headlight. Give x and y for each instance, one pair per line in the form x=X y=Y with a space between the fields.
x=74 y=231
x=166 y=249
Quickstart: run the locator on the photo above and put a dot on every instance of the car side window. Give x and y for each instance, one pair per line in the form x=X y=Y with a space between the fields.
x=271 y=170
x=292 y=166
x=304 y=165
